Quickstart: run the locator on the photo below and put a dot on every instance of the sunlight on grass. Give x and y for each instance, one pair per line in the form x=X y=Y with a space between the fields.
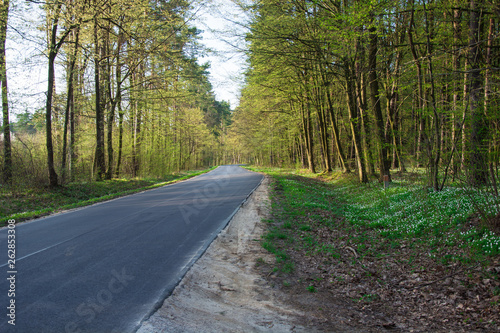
x=404 y=210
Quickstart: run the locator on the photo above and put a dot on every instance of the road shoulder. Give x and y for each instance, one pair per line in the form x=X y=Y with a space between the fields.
x=223 y=291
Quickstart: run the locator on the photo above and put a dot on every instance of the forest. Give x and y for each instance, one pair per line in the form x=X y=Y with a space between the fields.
x=373 y=87
x=368 y=87
x=339 y=96
x=134 y=101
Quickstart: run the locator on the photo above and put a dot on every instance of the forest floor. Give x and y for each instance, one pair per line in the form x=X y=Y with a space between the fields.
x=290 y=265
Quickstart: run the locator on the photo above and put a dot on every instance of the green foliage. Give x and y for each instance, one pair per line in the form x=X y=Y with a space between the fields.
x=159 y=113
x=308 y=99
x=28 y=123
x=401 y=213
x=311 y=289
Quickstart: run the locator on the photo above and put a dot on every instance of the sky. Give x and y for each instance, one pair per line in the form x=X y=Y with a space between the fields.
x=223 y=28
x=27 y=66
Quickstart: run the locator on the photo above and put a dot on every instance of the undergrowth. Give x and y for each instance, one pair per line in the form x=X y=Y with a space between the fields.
x=406 y=257
x=440 y=221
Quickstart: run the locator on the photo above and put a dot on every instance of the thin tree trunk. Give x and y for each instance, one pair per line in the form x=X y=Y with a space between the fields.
x=479 y=127
x=136 y=130
x=336 y=135
x=69 y=101
x=112 y=107
x=457 y=14
x=384 y=163
x=53 y=49
x=7 y=148
x=434 y=160
x=420 y=108
x=354 y=122
x=118 y=101
x=100 y=162
x=320 y=105
x=488 y=63
x=362 y=105
x=466 y=105
x=307 y=128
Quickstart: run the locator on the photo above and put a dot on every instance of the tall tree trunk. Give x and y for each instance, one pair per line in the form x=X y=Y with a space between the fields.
x=118 y=100
x=7 y=148
x=69 y=101
x=384 y=162
x=53 y=49
x=455 y=131
x=421 y=99
x=100 y=161
x=479 y=128
x=323 y=130
x=487 y=94
x=365 y=126
x=112 y=107
x=434 y=152
x=488 y=63
x=465 y=106
x=136 y=123
x=354 y=122
x=336 y=135
x=308 y=139
x=362 y=105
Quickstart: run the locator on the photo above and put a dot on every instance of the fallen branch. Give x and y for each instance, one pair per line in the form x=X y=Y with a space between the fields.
x=352 y=250
x=447 y=276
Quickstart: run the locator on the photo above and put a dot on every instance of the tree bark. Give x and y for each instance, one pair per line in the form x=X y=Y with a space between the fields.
x=384 y=162
x=479 y=128
x=100 y=162
x=53 y=50
x=118 y=101
x=323 y=131
x=336 y=135
x=421 y=99
x=455 y=131
x=361 y=100
x=434 y=152
x=112 y=102
x=69 y=101
x=307 y=128
x=354 y=122
x=7 y=147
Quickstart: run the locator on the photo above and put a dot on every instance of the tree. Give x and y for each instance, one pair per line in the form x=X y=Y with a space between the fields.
x=54 y=13
x=7 y=147
x=316 y=60
x=70 y=101
x=479 y=127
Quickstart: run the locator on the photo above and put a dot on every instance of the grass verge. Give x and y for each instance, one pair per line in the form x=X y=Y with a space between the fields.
x=411 y=257
x=28 y=203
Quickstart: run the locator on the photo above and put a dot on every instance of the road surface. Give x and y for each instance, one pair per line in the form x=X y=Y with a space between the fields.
x=106 y=267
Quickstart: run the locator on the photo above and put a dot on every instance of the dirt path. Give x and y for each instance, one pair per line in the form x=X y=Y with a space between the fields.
x=223 y=291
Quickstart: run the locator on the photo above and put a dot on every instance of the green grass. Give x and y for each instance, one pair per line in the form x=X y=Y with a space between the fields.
x=311 y=289
x=406 y=212
x=25 y=204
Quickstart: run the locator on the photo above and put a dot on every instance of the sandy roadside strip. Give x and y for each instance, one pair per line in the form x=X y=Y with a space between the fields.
x=223 y=292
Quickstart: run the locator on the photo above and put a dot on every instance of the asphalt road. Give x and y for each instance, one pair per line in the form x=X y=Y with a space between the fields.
x=106 y=267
